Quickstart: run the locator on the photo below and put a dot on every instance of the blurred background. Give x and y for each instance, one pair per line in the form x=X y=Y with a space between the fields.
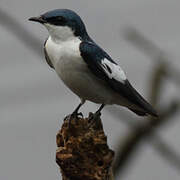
x=142 y=36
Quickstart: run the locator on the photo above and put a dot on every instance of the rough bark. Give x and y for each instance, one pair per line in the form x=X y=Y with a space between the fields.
x=83 y=153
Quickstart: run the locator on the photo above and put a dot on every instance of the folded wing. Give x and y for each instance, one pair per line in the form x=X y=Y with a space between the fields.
x=102 y=65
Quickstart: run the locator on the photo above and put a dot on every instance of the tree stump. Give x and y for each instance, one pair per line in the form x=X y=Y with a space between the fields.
x=83 y=153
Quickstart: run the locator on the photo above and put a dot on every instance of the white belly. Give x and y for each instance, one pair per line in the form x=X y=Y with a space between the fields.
x=75 y=74
x=82 y=82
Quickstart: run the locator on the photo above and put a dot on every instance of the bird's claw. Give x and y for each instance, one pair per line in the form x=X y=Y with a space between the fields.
x=93 y=118
x=75 y=116
x=80 y=114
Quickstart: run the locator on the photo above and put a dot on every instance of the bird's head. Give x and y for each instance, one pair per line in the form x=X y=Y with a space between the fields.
x=62 y=24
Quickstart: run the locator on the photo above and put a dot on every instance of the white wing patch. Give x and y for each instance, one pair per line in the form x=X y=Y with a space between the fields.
x=113 y=70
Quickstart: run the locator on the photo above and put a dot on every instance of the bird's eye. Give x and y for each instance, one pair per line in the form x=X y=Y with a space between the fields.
x=58 y=20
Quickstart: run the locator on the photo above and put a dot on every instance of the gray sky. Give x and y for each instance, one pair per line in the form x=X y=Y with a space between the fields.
x=34 y=100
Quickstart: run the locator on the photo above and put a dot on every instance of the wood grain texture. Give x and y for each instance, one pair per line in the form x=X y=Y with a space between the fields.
x=82 y=151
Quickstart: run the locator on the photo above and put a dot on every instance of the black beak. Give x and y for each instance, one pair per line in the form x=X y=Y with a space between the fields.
x=38 y=19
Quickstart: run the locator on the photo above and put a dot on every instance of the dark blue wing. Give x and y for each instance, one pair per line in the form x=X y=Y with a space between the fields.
x=102 y=65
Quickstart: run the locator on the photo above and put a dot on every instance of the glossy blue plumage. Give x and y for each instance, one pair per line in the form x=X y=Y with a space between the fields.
x=73 y=21
x=94 y=56
x=86 y=62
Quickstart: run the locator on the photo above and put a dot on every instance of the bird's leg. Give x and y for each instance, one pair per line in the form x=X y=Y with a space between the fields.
x=98 y=112
x=75 y=113
x=96 y=115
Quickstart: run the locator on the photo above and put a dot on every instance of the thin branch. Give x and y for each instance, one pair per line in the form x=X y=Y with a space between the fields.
x=153 y=51
x=131 y=142
x=139 y=133
x=28 y=39
x=166 y=151
x=12 y=25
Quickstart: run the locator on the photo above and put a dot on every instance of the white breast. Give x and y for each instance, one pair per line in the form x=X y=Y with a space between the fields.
x=75 y=74
x=67 y=61
x=59 y=51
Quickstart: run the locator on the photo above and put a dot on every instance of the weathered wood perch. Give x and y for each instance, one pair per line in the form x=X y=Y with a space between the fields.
x=83 y=153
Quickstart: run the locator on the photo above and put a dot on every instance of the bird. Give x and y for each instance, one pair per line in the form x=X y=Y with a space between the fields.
x=84 y=67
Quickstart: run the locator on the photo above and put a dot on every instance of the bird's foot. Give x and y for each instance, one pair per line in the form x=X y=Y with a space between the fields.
x=74 y=116
x=93 y=118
